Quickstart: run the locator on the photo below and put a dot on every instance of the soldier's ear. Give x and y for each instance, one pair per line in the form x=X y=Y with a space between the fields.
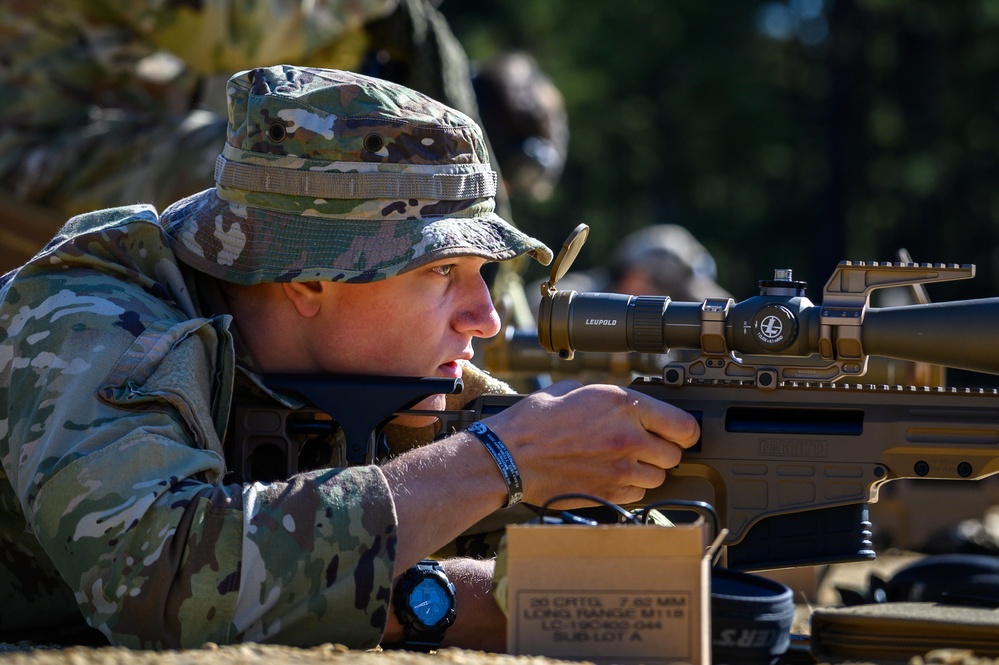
x=306 y=297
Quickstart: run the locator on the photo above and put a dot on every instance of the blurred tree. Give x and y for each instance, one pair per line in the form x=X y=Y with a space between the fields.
x=918 y=129
x=786 y=133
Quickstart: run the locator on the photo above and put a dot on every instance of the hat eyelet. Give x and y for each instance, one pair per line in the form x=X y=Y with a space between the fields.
x=373 y=142
x=276 y=132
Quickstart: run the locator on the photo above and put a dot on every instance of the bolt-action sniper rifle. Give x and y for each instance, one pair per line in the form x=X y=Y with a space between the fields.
x=791 y=450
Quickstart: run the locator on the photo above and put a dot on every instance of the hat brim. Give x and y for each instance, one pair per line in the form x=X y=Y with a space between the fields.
x=250 y=245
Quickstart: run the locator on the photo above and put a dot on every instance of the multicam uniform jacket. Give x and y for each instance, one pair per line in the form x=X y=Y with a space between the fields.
x=115 y=388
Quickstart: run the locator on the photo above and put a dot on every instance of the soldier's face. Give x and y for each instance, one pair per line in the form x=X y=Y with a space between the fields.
x=419 y=323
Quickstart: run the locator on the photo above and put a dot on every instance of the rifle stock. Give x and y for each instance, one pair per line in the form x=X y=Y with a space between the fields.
x=339 y=427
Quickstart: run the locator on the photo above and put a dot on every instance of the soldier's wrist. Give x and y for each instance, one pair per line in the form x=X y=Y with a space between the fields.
x=504 y=461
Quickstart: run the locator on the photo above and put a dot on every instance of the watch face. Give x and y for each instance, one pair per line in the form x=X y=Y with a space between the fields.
x=429 y=602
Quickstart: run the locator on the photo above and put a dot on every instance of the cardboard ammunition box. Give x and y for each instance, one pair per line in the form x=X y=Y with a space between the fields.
x=611 y=593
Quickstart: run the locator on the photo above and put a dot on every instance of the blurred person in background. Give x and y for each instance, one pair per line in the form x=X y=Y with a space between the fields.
x=523 y=113
x=118 y=102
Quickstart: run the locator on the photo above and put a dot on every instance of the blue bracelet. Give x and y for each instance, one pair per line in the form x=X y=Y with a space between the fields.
x=503 y=459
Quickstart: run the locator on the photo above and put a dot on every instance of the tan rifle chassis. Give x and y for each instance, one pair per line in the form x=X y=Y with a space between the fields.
x=789 y=471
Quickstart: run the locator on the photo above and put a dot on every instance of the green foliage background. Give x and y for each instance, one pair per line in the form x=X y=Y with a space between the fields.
x=775 y=152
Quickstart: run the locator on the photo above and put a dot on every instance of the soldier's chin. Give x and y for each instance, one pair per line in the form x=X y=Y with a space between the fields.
x=432 y=403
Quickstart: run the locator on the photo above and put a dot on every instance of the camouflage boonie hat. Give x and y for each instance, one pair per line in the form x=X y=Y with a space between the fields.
x=330 y=175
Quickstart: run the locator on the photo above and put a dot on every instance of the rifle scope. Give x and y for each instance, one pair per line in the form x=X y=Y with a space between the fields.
x=780 y=326
x=960 y=334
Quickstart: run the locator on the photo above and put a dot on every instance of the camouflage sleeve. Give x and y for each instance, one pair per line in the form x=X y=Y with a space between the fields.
x=111 y=406
x=231 y=35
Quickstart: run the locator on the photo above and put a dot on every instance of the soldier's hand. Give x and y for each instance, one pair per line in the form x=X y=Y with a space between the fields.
x=603 y=440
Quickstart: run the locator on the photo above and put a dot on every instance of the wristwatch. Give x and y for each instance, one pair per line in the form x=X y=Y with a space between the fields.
x=424 y=604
